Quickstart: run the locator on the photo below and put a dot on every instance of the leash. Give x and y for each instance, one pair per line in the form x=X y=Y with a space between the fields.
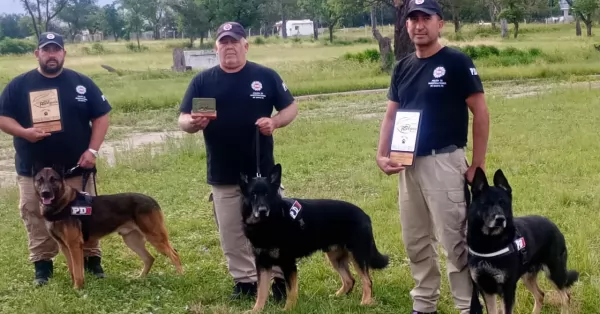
x=85 y=176
x=257 y=146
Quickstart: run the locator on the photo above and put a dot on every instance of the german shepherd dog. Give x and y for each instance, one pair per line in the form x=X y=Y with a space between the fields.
x=283 y=230
x=73 y=218
x=504 y=249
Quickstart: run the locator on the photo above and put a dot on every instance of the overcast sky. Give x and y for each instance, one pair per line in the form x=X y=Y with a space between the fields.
x=15 y=6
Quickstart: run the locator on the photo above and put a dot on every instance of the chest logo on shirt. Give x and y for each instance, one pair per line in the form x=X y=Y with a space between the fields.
x=257 y=87
x=81 y=90
x=437 y=74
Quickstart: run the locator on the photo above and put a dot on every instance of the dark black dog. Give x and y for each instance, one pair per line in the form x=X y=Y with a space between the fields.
x=503 y=248
x=282 y=230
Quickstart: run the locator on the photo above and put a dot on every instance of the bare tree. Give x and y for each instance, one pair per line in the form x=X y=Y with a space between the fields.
x=42 y=12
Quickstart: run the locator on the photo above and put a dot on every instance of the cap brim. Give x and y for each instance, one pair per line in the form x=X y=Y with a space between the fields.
x=50 y=42
x=231 y=34
x=426 y=11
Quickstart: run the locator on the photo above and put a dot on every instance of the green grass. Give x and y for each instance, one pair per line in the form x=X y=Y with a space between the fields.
x=545 y=144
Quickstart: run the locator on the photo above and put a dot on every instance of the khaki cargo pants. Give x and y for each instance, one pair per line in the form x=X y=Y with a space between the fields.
x=41 y=245
x=227 y=207
x=433 y=208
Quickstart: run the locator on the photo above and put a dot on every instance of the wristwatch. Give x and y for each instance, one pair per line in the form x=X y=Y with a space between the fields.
x=94 y=152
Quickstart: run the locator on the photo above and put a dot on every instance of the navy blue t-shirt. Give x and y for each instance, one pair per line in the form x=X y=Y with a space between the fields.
x=439 y=86
x=80 y=101
x=241 y=99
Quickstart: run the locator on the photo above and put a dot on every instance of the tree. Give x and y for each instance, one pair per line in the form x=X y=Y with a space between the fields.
x=42 y=12
x=192 y=19
x=513 y=13
x=133 y=16
x=454 y=7
x=113 y=22
x=153 y=12
x=79 y=15
x=335 y=10
x=585 y=11
x=12 y=27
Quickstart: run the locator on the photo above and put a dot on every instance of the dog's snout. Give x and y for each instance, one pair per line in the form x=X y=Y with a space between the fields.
x=500 y=220
x=46 y=193
x=262 y=208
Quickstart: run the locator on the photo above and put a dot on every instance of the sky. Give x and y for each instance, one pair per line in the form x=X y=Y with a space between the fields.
x=15 y=6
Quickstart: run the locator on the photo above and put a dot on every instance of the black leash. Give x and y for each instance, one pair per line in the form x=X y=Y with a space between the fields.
x=85 y=176
x=257 y=146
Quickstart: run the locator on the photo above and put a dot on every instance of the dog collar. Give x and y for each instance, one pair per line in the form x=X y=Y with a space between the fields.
x=515 y=246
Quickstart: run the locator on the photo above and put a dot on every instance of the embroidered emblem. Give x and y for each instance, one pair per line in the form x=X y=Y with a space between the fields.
x=50 y=36
x=227 y=27
x=80 y=89
x=256 y=85
x=439 y=72
x=419 y=1
x=295 y=209
x=520 y=243
x=81 y=210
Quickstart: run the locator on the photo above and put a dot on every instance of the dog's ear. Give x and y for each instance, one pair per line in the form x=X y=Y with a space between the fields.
x=501 y=181
x=480 y=182
x=243 y=182
x=275 y=175
x=60 y=169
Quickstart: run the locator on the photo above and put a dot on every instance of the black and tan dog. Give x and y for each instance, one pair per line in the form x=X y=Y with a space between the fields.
x=73 y=218
x=504 y=249
x=283 y=230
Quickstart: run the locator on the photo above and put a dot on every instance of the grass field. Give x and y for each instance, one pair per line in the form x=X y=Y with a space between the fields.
x=542 y=136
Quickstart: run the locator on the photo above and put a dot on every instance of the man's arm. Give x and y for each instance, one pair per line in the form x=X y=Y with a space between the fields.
x=480 y=128
x=99 y=130
x=286 y=116
x=11 y=126
x=98 y=115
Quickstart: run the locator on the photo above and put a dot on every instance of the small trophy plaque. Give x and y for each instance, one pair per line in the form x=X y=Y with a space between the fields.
x=45 y=110
x=205 y=107
x=405 y=136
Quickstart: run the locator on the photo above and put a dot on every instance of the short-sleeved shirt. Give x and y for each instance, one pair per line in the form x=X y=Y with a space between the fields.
x=241 y=99
x=80 y=102
x=439 y=86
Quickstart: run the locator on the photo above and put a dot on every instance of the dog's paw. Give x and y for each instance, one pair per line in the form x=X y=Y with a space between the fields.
x=367 y=302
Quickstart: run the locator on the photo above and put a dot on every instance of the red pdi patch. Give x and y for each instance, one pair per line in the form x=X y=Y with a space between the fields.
x=520 y=243
x=295 y=209
x=81 y=210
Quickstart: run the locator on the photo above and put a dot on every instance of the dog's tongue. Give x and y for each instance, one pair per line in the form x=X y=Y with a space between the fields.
x=47 y=200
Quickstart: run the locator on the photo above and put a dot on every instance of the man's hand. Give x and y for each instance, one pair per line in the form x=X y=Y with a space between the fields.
x=198 y=122
x=87 y=160
x=389 y=166
x=471 y=172
x=266 y=126
x=34 y=134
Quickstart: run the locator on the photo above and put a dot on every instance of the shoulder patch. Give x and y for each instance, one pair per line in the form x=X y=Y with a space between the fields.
x=295 y=209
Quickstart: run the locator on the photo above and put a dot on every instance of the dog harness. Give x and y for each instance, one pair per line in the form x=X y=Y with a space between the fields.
x=517 y=245
x=295 y=210
x=80 y=208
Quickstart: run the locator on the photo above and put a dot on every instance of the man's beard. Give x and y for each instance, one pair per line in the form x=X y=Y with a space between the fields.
x=49 y=69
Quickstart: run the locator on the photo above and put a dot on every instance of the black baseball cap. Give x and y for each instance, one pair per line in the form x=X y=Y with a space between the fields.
x=430 y=7
x=51 y=38
x=233 y=29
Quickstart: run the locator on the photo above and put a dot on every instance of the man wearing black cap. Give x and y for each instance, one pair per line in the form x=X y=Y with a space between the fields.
x=444 y=84
x=245 y=94
x=48 y=92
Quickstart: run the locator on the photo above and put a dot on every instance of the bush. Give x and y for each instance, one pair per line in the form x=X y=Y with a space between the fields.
x=501 y=57
x=134 y=47
x=16 y=46
x=259 y=41
x=368 y=55
x=96 y=49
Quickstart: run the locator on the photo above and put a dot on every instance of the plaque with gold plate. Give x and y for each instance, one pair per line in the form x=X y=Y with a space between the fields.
x=45 y=110
x=205 y=107
x=405 y=136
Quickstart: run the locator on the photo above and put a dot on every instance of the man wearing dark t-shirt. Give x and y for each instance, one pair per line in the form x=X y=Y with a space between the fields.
x=443 y=83
x=84 y=113
x=245 y=94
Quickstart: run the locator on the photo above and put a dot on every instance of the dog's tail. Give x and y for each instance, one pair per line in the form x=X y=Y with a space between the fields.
x=572 y=277
x=377 y=260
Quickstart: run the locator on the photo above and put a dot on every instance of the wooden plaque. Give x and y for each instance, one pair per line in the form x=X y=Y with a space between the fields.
x=405 y=136
x=45 y=110
x=205 y=107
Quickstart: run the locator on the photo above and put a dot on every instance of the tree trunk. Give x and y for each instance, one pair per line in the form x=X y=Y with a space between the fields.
x=283 y=21
x=577 y=27
x=516 y=29
x=331 y=33
x=385 y=44
x=137 y=36
x=588 y=28
x=402 y=43
x=315 y=29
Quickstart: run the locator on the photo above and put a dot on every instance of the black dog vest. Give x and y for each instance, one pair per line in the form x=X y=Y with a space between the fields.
x=80 y=208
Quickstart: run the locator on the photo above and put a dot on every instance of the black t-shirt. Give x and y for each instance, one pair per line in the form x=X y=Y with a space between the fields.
x=439 y=86
x=80 y=101
x=241 y=99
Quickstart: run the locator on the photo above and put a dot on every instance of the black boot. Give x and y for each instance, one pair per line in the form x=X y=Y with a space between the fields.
x=43 y=272
x=279 y=290
x=93 y=266
x=243 y=289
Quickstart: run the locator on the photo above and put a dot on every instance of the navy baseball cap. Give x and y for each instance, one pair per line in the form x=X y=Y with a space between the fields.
x=51 y=38
x=430 y=7
x=233 y=29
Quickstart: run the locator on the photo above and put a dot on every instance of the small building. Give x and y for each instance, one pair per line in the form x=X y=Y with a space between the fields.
x=296 y=28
